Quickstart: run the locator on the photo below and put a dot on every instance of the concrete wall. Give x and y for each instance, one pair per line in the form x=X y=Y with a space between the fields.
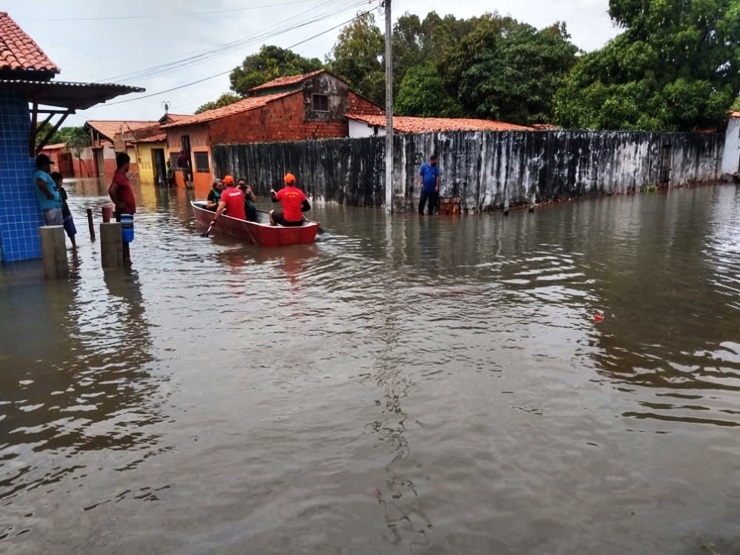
x=487 y=169
x=20 y=215
x=731 y=158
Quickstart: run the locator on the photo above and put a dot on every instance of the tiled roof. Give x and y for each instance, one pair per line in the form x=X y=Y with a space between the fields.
x=236 y=108
x=286 y=81
x=158 y=138
x=18 y=51
x=735 y=114
x=55 y=146
x=404 y=124
x=110 y=129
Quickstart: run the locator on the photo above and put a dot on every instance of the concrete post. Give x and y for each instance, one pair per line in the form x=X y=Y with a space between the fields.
x=111 y=245
x=54 y=251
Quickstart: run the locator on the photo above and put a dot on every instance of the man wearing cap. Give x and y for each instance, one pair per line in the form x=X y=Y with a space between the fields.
x=46 y=192
x=232 y=200
x=294 y=203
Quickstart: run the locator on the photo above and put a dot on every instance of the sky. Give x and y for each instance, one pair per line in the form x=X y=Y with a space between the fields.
x=153 y=44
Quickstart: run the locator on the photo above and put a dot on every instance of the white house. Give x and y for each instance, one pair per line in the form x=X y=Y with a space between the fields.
x=731 y=157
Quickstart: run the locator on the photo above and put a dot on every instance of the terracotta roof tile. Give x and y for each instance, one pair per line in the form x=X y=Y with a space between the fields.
x=236 y=108
x=405 y=124
x=158 y=138
x=18 y=51
x=735 y=114
x=110 y=129
x=286 y=81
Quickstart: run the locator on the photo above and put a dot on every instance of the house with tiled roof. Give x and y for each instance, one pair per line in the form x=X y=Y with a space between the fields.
x=296 y=108
x=366 y=125
x=29 y=98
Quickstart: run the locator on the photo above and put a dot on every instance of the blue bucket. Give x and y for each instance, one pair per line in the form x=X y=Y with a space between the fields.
x=127 y=227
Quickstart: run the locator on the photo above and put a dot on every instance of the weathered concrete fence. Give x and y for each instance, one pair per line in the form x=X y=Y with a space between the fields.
x=487 y=169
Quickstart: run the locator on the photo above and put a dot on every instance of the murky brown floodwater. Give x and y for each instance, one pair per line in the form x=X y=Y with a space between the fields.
x=226 y=399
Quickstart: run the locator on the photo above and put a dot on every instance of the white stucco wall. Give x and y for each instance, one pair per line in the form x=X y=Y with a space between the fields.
x=359 y=129
x=731 y=156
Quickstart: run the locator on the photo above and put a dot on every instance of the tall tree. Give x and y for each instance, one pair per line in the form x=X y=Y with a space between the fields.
x=358 y=57
x=223 y=100
x=509 y=71
x=676 y=67
x=270 y=63
x=423 y=94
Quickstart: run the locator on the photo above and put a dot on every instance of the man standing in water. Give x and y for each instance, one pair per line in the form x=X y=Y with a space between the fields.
x=122 y=195
x=46 y=192
x=429 y=183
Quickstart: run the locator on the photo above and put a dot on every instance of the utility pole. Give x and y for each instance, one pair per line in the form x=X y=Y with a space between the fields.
x=388 y=108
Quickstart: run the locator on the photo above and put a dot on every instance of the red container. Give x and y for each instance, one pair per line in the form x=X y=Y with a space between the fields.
x=107 y=213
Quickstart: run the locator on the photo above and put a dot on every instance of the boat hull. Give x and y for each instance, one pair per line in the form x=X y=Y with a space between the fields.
x=261 y=232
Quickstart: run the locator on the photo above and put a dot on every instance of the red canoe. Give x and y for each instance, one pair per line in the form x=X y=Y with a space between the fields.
x=261 y=232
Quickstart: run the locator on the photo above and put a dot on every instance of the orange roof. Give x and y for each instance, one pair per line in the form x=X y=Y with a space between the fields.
x=55 y=146
x=735 y=114
x=245 y=105
x=405 y=124
x=110 y=129
x=18 y=51
x=286 y=81
x=158 y=138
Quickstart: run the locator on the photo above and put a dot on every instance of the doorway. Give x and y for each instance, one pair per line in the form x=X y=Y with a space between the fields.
x=158 y=166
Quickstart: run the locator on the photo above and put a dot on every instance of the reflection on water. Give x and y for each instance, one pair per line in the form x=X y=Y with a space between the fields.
x=411 y=385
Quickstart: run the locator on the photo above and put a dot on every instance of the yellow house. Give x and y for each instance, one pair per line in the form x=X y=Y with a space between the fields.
x=152 y=157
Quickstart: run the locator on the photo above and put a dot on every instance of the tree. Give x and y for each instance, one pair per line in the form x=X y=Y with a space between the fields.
x=223 y=100
x=676 y=67
x=509 y=71
x=736 y=105
x=423 y=94
x=358 y=57
x=269 y=63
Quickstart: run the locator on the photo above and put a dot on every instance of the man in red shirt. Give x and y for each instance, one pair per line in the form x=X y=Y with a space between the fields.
x=122 y=195
x=232 y=200
x=120 y=190
x=294 y=204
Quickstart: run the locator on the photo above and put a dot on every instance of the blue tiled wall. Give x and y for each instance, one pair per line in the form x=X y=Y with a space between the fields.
x=20 y=216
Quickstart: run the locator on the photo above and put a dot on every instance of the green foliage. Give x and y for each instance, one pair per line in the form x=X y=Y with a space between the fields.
x=736 y=105
x=76 y=139
x=269 y=63
x=223 y=100
x=508 y=71
x=358 y=57
x=676 y=67
x=423 y=94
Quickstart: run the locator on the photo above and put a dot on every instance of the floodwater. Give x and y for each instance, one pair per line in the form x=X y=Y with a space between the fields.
x=435 y=386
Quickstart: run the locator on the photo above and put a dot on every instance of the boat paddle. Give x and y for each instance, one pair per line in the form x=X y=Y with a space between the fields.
x=210 y=227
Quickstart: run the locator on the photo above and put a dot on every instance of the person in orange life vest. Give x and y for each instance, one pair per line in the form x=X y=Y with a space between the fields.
x=232 y=200
x=294 y=203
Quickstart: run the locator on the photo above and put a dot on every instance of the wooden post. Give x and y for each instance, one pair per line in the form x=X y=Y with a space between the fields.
x=111 y=245
x=90 y=224
x=54 y=251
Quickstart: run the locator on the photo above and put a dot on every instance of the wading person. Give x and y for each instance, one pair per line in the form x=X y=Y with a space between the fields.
x=214 y=195
x=122 y=195
x=183 y=162
x=293 y=201
x=46 y=192
x=429 y=183
x=69 y=222
x=249 y=199
x=232 y=200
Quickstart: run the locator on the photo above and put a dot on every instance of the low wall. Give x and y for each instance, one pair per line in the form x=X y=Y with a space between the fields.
x=486 y=169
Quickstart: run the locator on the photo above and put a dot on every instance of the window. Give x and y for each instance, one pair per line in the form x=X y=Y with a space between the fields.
x=320 y=103
x=201 y=162
x=185 y=144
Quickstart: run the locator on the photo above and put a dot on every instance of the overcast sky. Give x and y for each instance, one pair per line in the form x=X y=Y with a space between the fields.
x=136 y=42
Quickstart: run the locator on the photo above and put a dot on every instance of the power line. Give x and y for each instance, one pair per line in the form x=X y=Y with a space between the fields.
x=170 y=15
x=230 y=70
x=319 y=14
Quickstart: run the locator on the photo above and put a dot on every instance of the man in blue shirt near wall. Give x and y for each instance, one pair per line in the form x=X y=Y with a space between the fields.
x=46 y=192
x=429 y=183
